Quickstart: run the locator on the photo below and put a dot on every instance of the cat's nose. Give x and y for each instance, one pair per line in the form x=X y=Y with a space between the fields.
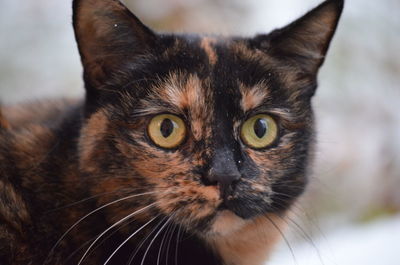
x=223 y=170
x=224 y=178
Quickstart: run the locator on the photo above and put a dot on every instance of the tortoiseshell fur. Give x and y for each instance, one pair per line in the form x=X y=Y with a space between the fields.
x=62 y=161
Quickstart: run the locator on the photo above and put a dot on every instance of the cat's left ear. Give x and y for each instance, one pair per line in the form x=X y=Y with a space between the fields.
x=108 y=35
x=304 y=42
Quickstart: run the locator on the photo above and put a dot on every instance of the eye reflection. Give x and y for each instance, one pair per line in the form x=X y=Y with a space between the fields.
x=260 y=127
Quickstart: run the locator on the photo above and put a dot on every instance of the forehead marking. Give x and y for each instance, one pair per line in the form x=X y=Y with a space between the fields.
x=252 y=97
x=206 y=45
x=184 y=93
x=191 y=95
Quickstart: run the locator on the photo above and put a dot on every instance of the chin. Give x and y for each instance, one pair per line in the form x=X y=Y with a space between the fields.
x=225 y=223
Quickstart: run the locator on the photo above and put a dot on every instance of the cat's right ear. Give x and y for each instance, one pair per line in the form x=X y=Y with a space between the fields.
x=304 y=42
x=108 y=35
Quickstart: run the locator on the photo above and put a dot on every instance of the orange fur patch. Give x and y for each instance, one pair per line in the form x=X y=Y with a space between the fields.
x=190 y=95
x=14 y=212
x=183 y=94
x=91 y=134
x=31 y=146
x=206 y=45
x=4 y=124
x=251 y=243
x=252 y=97
x=18 y=116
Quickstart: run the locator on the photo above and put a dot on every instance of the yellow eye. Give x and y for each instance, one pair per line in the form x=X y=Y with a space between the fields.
x=167 y=130
x=259 y=131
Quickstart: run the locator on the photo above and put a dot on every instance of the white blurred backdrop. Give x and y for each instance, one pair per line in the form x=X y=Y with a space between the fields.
x=351 y=212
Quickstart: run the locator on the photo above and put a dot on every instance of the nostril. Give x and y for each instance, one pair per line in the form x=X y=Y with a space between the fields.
x=223 y=180
x=226 y=180
x=208 y=181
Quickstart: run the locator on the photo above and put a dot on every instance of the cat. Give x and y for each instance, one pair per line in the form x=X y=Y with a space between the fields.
x=186 y=150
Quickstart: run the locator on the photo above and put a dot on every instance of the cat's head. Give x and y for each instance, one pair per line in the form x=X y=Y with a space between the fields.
x=201 y=126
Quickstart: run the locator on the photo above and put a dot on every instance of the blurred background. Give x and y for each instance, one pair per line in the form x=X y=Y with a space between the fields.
x=351 y=212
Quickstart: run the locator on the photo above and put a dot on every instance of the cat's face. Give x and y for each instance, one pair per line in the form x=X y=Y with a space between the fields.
x=205 y=127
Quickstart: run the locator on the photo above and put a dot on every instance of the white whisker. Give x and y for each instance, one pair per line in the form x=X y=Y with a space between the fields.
x=162 y=244
x=176 y=247
x=154 y=238
x=111 y=227
x=93 y=197
x=169 y=244
x=83 y=200
x=126 y=240
x=144 y=240
x=87 y=215
x=283 y=236
x=100 y=243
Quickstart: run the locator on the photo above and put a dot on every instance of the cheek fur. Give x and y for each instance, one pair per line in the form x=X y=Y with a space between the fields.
x=274 y=162
x=90 y=145
x=179 y=192
x=189 y=202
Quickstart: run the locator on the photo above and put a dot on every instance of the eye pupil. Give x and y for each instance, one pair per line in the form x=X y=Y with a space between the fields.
x=167 y=127
x=260 y=127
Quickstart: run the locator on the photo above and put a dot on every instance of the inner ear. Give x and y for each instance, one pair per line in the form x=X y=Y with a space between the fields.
x=304 y=42
x=108 y=35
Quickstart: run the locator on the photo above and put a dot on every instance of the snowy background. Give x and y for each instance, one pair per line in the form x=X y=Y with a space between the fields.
x=350 y=214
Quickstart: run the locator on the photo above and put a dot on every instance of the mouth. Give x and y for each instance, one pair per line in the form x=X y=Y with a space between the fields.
x=246 y=207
